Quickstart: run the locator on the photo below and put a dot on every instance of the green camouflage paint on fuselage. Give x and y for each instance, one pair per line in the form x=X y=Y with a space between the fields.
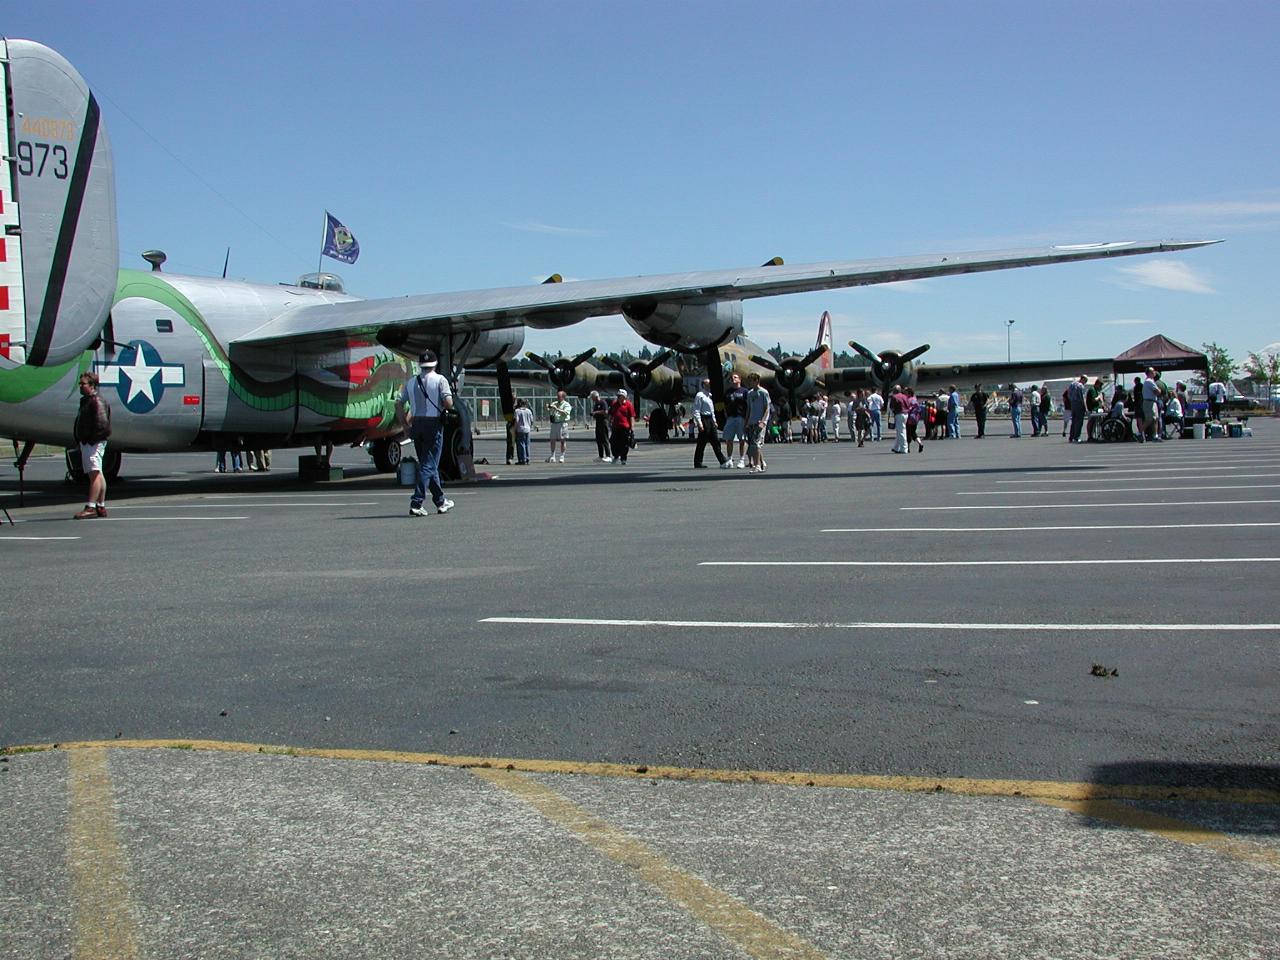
x=374 y=399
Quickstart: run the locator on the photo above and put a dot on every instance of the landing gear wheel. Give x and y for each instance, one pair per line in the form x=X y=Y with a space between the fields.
x=111 y=461
x=75 y=468
x=659 y=425
x=387 y=454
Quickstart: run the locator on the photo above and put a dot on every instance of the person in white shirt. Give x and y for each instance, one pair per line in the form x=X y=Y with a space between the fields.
x=424 y=399
x=559 y=410
x=1217 y=397
x=833 y=421
x=875 y=403
x=704 y=415
x=523 y=423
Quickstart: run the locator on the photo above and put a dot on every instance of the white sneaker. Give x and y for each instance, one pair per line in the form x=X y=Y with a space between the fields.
x=560 y=459
x=444 y=507
x=742 y=464
x=418 y=511
x=551 y=459
x=763 y=465
x=727 y=465
x=606 y=459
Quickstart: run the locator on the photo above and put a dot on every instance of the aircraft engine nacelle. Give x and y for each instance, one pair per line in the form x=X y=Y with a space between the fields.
x=474 y=350
x=687 y=327
x=492 y=346
x=794 y=376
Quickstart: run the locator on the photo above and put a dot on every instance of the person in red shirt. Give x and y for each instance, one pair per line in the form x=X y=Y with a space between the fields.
x=622 y=416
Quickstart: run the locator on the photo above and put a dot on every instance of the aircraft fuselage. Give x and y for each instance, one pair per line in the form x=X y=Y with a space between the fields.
x=174 y=384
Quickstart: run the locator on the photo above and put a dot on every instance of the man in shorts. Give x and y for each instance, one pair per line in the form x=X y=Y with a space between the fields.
x=93 y=427
x=735 y=423
x=757 y=422
x=558 y=411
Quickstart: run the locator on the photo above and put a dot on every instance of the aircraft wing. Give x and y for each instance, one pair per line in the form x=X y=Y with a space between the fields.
x=965 y=375
x=553 y=305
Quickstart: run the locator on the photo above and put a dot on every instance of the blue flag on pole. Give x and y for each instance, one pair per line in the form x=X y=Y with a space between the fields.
x=338 y=240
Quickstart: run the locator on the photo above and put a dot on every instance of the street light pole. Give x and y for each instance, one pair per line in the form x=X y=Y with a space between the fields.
x=1061 y=345
x=1008 y=340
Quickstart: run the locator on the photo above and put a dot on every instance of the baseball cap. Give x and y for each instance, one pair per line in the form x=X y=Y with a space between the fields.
x=622 y=393
x=427 y=358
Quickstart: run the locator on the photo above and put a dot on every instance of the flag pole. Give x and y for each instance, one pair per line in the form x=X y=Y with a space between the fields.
x=324 y=233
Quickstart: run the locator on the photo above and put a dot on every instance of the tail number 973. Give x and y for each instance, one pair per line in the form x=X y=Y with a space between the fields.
x=34 y=158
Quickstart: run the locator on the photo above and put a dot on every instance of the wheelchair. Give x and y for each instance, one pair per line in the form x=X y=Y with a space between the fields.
x=1116 y=429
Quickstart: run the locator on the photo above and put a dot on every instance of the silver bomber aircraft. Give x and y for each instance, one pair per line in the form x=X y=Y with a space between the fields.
x=186 y=361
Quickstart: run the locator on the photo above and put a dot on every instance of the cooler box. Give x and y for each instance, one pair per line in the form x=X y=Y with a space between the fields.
x=407 y=472
x=1197 y=431
x=1235 y=430
x=1215 y=430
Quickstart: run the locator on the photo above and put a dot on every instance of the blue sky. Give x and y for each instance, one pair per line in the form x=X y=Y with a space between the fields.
x=486 y=144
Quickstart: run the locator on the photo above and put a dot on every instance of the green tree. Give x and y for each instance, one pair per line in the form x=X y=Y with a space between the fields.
x=1221 y=366
x=1264 y=368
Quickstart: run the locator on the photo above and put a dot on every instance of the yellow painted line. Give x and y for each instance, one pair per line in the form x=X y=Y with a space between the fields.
x=1171 y=828
x=103 y=925
x=725 y=914
x=1032 y=789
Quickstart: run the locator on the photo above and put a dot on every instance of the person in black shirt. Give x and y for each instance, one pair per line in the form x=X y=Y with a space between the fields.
x=735 y=421
x=979 y=400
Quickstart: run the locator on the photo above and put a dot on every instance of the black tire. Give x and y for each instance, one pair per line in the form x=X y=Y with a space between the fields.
x=387 y=454
x=75 y=470
x=111 y=461
x=659 y=425
x=1113 y=431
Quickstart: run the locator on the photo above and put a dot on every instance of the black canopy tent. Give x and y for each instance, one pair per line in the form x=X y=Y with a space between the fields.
x=1160 y=353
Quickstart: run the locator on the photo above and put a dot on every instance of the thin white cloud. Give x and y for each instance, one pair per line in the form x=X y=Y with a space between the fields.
x=1212 y=209
x=1166 y=275
x=534 y=226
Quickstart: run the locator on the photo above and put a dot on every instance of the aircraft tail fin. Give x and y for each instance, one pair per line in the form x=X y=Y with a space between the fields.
x=59 y=255
x=826 y=361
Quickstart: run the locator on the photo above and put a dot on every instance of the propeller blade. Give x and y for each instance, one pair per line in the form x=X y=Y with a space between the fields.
x=815 y=353
x=912 y=354
x=540 y=360
x=659 y=360
x=585 y=355
x=613 y=364
x=875 y=360
x=767 y=362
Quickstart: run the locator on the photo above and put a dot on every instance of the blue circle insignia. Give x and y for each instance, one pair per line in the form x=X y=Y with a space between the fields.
x=140 y=376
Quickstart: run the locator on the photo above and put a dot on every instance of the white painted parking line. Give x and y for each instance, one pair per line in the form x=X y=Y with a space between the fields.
x=1118 y=561
x=1098 y=506
x=1110 y=526
x=274 y=504
x=131 y=519
x=887 y=625
x=1109 y=477
x=330 y=494
x=1179 y=489
x=37 y=538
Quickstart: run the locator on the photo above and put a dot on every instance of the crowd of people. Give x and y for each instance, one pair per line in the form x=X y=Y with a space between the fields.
x=754 y=419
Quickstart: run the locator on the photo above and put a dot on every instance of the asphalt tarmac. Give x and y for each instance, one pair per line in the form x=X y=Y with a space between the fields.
x=836 y=709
